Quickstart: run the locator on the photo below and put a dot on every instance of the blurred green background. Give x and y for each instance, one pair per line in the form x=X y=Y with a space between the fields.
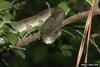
x=63 y=52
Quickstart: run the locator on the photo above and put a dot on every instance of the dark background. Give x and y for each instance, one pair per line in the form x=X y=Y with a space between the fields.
x=63 y=52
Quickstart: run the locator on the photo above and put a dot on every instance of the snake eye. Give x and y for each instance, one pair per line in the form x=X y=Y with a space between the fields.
x=57 y=31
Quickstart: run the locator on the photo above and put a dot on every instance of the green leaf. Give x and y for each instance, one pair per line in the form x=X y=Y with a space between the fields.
x=4 y=4
x=66 y=53
x=12 y=38
x=90 y=2
x=65 y=50
x=22 y=34
x=7 y=16
x=38 y=54
x=98 y=61
x=58 y=58
x=19 y=53
x=1 y=32
x=66 y=47
x=63 y=5
x=1 y=49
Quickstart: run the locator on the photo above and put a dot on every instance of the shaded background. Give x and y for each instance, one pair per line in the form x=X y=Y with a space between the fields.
x=63 y=52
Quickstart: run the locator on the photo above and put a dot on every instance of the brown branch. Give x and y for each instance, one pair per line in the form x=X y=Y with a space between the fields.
x=27 y=40
x=78 y=16
x=96 y=6
x=81 y=15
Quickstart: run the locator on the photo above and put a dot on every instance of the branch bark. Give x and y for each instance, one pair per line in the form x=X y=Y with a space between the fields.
x=78 y=16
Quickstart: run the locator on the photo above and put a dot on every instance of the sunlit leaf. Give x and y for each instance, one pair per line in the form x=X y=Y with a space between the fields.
x=90 y=2
x=4 y=4
x=19 y=53
x=66 y=53
x=63 y=5
x=22 y=33
x=98 y=61
x=12 y=38
x=67 y=47
x=7 y=16
x=1 y=32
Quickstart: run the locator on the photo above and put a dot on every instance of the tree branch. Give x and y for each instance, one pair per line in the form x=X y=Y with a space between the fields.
x=78 y=16
x=27 y=40
x=81 y=15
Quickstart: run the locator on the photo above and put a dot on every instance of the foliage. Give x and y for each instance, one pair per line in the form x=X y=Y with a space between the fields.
x=62 y=53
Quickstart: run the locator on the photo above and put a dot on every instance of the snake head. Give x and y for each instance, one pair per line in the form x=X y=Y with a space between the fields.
x=51 y=29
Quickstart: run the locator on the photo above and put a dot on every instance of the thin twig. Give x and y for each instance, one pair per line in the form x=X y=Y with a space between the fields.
x=92 y=41
x=95 y=45
x=6 y=64
x=69 y=33
x=78 y=16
